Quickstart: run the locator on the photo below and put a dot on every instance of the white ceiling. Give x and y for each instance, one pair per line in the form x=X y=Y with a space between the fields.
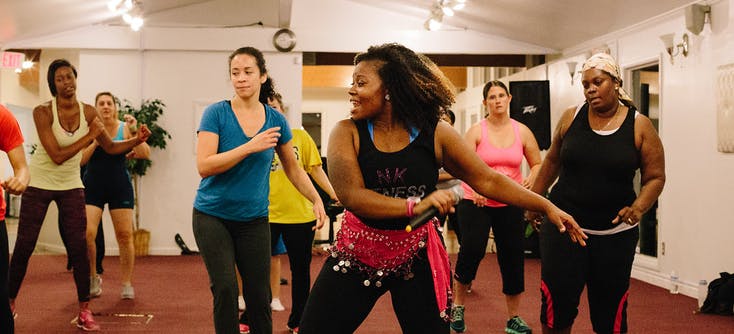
x=552 y=24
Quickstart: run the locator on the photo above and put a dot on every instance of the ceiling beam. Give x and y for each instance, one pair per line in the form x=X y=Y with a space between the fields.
x=487 y=60
x=284 y=13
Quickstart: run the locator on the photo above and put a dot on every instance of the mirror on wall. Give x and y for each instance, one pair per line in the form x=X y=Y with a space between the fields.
x=644 y=87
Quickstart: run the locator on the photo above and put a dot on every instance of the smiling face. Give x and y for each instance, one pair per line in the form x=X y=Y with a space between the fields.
x=599 y=89
x=367 y=93
x=65 y=82
x=106 y=106
x=245 y=76
x=497 y=100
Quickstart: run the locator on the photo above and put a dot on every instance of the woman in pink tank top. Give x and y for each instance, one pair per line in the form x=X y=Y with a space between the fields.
x=501 y=143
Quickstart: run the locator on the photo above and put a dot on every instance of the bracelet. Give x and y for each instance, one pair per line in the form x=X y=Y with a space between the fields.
x=410 y=203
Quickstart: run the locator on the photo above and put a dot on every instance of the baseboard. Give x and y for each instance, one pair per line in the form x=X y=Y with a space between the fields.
x=112 y=251
x=656 y=278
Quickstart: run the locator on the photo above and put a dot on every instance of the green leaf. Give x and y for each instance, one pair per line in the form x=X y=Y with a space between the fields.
x=148 y=114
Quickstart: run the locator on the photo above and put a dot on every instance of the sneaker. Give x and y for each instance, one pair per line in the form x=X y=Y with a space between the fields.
x=457 y=319
x=85 y=321
x=95 y=286
x=128 y=292
x=517 y=326
x=241 y=303
x=276 y=305
x=244 y=329
x=293 y=330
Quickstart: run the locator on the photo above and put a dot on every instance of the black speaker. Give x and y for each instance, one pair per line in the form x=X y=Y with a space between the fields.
x=530 y=105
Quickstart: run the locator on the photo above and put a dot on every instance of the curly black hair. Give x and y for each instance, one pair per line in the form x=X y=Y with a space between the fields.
x=267 y=91
x=418 y=90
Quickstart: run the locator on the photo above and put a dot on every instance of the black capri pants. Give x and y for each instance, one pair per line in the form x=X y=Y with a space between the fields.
x=506 y=222
x=604 y=266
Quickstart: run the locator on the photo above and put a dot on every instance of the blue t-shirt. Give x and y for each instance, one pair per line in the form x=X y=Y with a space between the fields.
x=241 y=193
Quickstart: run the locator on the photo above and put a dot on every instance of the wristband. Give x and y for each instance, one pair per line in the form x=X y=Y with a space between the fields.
x=410 y=203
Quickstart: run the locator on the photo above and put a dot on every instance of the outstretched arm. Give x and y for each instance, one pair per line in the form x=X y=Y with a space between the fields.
x=460 y=161
x=318 y=174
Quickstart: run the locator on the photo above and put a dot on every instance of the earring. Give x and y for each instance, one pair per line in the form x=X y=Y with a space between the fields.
x=387 y=97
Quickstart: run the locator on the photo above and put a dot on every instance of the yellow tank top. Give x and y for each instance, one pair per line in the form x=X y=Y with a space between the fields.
x=46 y=174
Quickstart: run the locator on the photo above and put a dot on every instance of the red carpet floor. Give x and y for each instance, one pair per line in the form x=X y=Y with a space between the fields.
x=172 y=296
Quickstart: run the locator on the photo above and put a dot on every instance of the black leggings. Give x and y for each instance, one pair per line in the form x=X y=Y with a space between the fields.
x=6 y=316
x=298 y=240
x=603 y=266
x=506 y=224
x=73 y=217
x=339 y=302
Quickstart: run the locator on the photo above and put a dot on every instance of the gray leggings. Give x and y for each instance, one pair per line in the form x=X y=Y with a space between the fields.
x=227 y=246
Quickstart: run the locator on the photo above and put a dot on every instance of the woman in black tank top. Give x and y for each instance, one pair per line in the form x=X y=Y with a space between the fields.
x=383 y=164
x=594 y=154
x=107 y=181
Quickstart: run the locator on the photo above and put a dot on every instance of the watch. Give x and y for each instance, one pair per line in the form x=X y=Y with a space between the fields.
x=284 y=40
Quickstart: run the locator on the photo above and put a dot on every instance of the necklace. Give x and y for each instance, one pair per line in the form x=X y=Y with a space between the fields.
x=611 y=119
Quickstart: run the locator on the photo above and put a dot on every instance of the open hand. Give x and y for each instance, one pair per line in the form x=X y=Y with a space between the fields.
x=566 y=223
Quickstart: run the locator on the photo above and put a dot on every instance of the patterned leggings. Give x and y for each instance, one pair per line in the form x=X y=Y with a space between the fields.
x=73 y=217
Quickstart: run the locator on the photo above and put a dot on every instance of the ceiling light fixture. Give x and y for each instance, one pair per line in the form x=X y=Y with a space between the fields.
x=130 y=10
x=441 y=8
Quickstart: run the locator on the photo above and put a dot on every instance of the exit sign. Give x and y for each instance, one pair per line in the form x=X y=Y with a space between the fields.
x=13 y=59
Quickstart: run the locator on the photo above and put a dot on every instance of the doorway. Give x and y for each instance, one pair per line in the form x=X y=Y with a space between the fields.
x=311 y=122
x=644 y=88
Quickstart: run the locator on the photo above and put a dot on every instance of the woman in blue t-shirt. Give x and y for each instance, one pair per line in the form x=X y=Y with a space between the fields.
x=237 y=139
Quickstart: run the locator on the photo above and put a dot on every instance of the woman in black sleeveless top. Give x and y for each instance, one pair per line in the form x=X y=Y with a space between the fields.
x=595 y=152
x=383 y=164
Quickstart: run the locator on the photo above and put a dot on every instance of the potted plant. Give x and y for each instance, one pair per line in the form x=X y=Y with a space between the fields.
x=148 y=114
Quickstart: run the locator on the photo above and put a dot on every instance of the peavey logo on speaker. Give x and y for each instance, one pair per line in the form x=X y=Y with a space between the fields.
x=531 y=109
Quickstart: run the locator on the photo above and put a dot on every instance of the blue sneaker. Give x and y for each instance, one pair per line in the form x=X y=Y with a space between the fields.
x=457 y=319
x=517 y=326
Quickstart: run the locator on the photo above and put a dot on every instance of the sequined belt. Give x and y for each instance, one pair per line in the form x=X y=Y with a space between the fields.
x=382 y=253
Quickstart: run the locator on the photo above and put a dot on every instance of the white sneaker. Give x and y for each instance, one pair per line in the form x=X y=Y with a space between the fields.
x=276 y=305
x=127 y=292
x=95 y=286
x=241 y=303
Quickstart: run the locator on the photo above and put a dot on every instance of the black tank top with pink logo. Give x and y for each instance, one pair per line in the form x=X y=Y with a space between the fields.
x=412 y=171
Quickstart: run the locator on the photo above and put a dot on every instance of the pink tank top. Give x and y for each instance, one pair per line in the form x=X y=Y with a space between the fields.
x=506 y=160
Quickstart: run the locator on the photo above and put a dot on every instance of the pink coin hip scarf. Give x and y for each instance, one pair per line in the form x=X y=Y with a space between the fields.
x=381 y=253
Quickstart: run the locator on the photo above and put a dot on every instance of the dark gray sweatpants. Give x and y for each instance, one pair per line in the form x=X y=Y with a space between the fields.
x=226 y=246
